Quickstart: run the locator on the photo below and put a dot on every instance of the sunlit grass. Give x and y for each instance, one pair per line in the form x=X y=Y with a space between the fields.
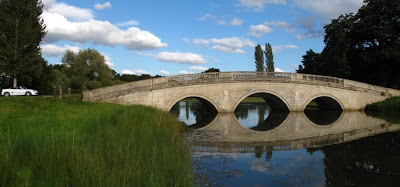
x=50 y=142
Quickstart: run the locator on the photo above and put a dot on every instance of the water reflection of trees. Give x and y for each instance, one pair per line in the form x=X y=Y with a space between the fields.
x=259 y=150
x=267 y=119
x=202 y=115
x=370 y=161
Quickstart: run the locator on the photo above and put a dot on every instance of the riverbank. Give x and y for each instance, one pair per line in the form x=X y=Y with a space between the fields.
x=52 y=142
x=388 y=109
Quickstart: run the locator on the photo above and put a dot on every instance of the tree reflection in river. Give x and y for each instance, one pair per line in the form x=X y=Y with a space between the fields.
x=193 y=113
x=259 y=116
x=372 y=161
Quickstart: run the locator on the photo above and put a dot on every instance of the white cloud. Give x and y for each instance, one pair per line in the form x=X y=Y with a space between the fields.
x=57 y=51
x=198 y=68
x=99 y=32
x=258 y=5
x=184 y=72
x=228 y=49
x=236 y=22
x=103 y=6
x=310 y=34
x=178 y=57
x=279 y=48
x=68 y=11
x=329 y=9
x=108 y=60
x=201 y=41
x=281 y=24
x=231 y=45
x=278 y=70
x=128 y=23
x=163 y=72
x=207 y=17
x=233 y=42
x=134 y=72
x=259 y=30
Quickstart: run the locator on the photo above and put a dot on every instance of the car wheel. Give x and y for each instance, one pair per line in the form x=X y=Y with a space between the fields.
x=28 y=94
x=6 y=94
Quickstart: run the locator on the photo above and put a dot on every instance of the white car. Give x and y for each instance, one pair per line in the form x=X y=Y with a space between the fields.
x=20 y=90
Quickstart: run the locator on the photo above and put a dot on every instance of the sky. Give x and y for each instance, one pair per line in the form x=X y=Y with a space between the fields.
x=176 y=37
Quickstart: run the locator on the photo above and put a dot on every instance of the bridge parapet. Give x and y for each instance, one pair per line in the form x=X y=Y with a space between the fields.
x=232 y=77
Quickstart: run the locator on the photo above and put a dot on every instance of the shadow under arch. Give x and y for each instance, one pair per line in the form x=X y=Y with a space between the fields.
x=327 y=112
x=271 y=113
x=203 y=113
x=212 y=107
x=274 y=101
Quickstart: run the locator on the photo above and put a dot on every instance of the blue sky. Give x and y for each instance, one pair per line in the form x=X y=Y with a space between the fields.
x=186 y=36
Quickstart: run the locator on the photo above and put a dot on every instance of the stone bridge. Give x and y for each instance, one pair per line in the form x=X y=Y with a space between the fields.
x=222 y=92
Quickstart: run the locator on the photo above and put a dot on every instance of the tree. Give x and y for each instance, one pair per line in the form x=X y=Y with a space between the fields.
x=21 y=32
x=212 y=70
x=259 y=58
x=311 y=63
x=87 y=69
x=338 y=42
x=363 y=47
x=269 y=58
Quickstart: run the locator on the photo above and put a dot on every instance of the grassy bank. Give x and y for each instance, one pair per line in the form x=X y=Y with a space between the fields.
x=388 y=109
x=49 y=142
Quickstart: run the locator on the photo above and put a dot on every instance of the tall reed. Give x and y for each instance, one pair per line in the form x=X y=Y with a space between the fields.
x=68 y=143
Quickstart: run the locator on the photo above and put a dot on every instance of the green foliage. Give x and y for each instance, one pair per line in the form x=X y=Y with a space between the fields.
x=21 y=32
x=269 y=58
x=363 y=47
x=259 y=58
x=212 y=70
x=49 y=142
x=388 y=109
x=312 y=63
x=85 y=70
x=391 y=105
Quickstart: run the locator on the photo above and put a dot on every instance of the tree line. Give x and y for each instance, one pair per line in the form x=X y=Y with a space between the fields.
x=364 y=46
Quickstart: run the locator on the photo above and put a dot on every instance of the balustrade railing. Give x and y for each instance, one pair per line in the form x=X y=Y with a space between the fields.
x=323 y=80
x=220 y=77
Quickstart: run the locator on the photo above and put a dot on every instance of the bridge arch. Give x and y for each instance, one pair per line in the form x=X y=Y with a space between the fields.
x=325 y=102
x=275 y=101
x=208 y=103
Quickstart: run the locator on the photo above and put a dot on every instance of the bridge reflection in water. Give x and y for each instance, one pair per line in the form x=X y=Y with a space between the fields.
x=257 y=146
x=226 y=134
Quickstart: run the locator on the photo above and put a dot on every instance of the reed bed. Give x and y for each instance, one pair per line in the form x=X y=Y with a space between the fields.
x=50 y=142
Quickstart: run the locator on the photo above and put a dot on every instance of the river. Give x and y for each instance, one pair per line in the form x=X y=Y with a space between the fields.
x=256 y=146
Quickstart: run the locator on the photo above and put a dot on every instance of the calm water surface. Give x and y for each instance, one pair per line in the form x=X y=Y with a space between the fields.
x=259 y=147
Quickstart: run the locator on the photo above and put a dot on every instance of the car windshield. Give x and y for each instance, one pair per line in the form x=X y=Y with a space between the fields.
x=22 y=87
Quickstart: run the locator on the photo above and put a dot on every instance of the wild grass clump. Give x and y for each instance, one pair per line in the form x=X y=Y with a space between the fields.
x=391 y=105
x=388 y=109
x=48 y=142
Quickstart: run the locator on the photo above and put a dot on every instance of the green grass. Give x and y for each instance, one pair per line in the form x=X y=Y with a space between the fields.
x=58 y=142
x=388 y=109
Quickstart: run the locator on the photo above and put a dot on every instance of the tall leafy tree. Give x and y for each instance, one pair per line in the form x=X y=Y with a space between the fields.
x=363 y=47
x=21 y=32
x=337 y=45
x=376 y=38
x=87 y=69
x=269 y=58
x=311 y=63
x=259 y=58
